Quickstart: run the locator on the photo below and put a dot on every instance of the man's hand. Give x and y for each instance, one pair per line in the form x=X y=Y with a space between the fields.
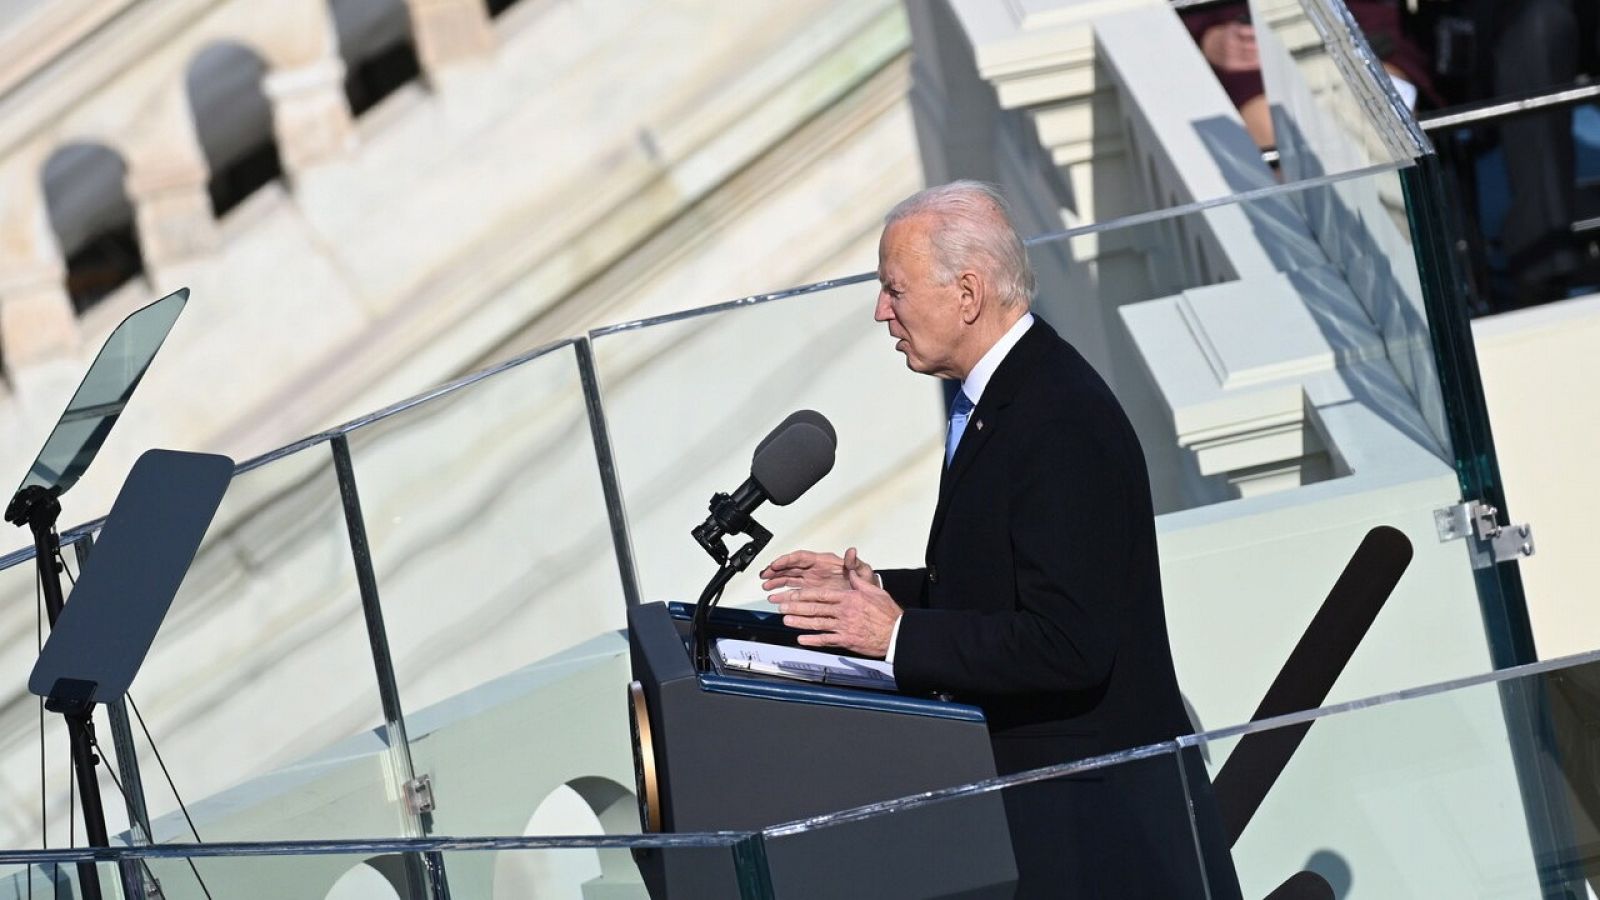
x=1231 y=47
x=859 y=619
x=807 y=569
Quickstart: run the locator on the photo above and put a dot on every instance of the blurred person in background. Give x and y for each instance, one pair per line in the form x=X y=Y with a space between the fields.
x=1498 y=49
x=1227 y=39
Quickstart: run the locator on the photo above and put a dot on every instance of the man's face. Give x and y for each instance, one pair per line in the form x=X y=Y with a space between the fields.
x=924 y=315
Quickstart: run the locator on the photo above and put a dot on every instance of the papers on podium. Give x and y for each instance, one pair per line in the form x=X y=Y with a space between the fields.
x=806 y=665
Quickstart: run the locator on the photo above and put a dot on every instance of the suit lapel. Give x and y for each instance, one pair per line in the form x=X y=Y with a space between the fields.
x=990 y=415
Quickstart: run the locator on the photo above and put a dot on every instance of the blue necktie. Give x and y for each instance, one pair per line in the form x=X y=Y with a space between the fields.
x=960 y=411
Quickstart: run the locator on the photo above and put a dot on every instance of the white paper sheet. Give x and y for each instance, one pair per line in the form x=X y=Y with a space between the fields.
x=806 y=665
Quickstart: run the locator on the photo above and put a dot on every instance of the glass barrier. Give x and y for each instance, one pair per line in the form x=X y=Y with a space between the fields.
x=688 y=397
x=1417 y=793
x=1482 y=788
x=258 y=692
x=500 y=592
x=1140 y=823
x=721 y=864
x=1413 y=793
x=1274 y=351
x=53 y=880
x=1229 y=333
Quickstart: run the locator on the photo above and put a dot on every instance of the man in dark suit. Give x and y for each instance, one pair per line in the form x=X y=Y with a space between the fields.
x=1040 y=600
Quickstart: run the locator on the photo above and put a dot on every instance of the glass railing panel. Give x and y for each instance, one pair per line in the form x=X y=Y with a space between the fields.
x=57 y=881
x=687 y=400
x=258 y=692
x=1136 y=823
x=499 y=591
x=542 y=866
x=1485 y=789
x=718 y=864
x=1269 y=306
x=1337 y=107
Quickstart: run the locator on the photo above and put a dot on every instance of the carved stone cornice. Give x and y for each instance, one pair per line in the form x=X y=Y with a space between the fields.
x=42 y=96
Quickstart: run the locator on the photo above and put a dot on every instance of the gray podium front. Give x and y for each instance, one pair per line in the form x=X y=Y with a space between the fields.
x=727 y=751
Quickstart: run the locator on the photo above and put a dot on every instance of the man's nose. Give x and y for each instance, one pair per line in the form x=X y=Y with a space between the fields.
x=880 y=312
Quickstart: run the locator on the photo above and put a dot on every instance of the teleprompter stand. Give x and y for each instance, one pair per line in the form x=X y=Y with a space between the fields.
x=72 y=445
x=38 y=508
x=98 y=641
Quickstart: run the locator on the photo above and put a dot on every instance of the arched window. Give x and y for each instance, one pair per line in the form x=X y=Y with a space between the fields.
x=375 y=43
x=590 y=805
x=92 y=219
x=379 y=878
x=234 y=122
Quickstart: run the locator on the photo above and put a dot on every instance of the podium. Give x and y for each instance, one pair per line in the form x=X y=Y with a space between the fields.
x=734 y=751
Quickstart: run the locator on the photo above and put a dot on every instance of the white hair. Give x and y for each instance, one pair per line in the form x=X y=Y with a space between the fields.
x=972 y=228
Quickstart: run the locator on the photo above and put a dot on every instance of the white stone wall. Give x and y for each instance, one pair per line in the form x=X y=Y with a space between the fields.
x=466 y=217
x=1536 y=368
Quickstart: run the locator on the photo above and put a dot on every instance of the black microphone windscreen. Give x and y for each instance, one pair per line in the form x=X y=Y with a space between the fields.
x=794 y=456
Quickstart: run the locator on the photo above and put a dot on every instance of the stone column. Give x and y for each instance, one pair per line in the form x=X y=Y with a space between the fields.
x=172 y=210
x=37 y=321
x=450 y=32
x=310 y=114
x=167 y=185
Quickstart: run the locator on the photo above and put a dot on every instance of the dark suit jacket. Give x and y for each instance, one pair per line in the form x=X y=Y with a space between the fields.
x=1041 y=603
x=1041 y=597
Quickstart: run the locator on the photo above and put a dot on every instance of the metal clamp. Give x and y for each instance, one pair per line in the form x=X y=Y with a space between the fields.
x=419 y=794
x=1489 y=542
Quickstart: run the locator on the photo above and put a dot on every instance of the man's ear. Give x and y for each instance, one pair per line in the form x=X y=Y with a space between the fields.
x=972 y=295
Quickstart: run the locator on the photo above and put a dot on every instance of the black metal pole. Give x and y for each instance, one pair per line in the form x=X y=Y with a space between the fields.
x=81 y=726
x=130 y=871
x=610 y=483
x=41 y=509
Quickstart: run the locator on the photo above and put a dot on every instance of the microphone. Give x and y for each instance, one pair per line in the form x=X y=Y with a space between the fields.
x=787 y=462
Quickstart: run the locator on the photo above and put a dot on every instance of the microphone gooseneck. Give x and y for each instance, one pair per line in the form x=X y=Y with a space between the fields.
x=786 y=463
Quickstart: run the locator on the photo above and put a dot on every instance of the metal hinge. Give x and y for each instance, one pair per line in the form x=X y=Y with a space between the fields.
x=419 y=794
x=1489 y=541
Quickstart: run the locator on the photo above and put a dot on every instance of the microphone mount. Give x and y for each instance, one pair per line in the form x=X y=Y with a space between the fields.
x=36 y=506
x=727 y=517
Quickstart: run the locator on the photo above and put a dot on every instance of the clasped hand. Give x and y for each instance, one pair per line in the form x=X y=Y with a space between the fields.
x=837 y=596
x=1231 y=47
